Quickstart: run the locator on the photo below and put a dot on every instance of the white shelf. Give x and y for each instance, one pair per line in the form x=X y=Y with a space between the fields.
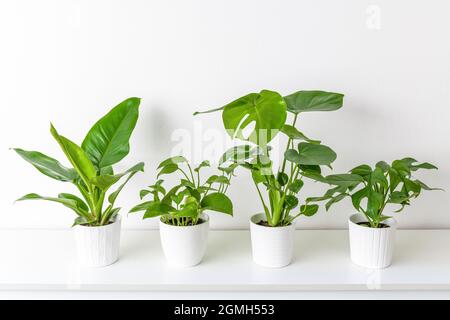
x=44 y=260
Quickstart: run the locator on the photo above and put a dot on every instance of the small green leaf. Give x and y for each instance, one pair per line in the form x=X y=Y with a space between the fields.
x=294 y=134
x=362 y=170
x=345 y=179
x=142 y=207
x=238 y=154
x=383 y=166
x=290 y=202
x=168 y=169
x=172 y=161
x=158 y=209
x=334 y=200
x=296 y=185
x=282 y=178
x=309 y=210
x=204 y=164
x=310 y=168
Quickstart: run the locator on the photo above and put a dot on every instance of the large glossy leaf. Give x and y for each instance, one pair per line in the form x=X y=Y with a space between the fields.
x=266 y=110
x=217 y=202
x=306 y=101
x=311 y=154
x=108 y=141
x=77 y=157
x=48 y=166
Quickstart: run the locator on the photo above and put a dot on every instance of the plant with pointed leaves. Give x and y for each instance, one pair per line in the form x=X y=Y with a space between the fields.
x=372 y=189
x=92 y=173
x=265 y=114
x=184 y=203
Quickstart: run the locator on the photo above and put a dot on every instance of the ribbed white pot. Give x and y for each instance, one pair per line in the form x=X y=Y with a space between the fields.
x=184 y=246
x=371 y=247
x=272 y=247
x=98 y=246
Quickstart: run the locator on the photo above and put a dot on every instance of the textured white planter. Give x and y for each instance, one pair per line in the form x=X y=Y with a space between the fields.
x=272 y=247
x=370 y=247
x=184 y=246
x=98 y=246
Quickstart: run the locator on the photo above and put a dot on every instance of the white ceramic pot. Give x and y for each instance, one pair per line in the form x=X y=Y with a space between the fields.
x=184 y=246
x=272 y=247
x=98 y=246
x=371 y=247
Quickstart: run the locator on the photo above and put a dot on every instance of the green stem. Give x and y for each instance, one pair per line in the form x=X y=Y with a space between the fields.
x=266 y=210
x=283 y=167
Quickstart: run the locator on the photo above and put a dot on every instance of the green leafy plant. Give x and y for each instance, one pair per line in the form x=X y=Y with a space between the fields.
x=184 y=203
x=264 y=115
x=372 y=189
x=91 y=173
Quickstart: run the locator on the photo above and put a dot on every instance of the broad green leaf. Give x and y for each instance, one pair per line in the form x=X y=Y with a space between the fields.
x=357 y=198
x=383 y=166
x=172 y=161
x=345 y=179
x=315 y=154
x=412 y=186
x=187 y=183
x=237 y=154
x=363 y=170
x=218 y=179
x=266 y=110
x=294 y=134
x=394 y=179
x=374 y=203
x=229 y=169
x=168 y=169
x=377 y=176
x=80 y=220
x=217 y=202
x=108 y=140
x=314 y=176
x=48 y=166
x=168 y=197
x=282 y=178
x=296 y=185
x=306 y=101
x=158 y=209
x=311 y=168
x=398 y=197
x=425 y=187
x=292 y=155
x=77 y=157
x=424 y=165
x=309 y=210
x=290 y=202
x=402 y=167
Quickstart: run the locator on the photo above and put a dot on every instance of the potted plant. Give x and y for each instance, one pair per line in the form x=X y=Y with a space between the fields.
x=372 y=233
x=257 y=118
x=97 y=224
x=183 y=223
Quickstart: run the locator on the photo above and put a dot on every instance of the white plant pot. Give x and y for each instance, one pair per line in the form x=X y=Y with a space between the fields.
x=272 y=247
x=98 y=246
x=184 y=246
x=371 y=247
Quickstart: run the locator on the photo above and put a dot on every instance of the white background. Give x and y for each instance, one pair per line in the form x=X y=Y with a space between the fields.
x=70 y=61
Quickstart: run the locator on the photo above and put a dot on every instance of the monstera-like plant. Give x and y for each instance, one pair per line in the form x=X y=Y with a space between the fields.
x=91 y=171
x=257 y=119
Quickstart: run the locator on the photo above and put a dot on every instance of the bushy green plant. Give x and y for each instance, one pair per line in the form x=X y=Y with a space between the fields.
x=372 y=189
x=184 y=204
x=257 y=118
x=91 y=173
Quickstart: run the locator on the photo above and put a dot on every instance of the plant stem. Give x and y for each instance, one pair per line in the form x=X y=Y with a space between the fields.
x=283 y=167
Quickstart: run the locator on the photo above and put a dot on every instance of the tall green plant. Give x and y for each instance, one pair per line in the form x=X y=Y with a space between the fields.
x=184 y=203
x=91 y=173
x=372 y=189
x=264 y=114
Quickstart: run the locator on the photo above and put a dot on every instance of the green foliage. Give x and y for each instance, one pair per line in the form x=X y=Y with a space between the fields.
x=184 y=203
x=303 y=156
x=92 y=174
x=372 y=189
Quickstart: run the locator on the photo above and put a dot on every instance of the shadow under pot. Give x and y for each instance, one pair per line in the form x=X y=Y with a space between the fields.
x=98 y=246
x=272 y=247
x=184 y=246
x=371 y=247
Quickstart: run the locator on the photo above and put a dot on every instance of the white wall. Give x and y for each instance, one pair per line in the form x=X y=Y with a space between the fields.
x=70 y=61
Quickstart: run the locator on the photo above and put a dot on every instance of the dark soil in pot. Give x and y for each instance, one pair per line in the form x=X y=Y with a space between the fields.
x=367 y=224
x=266 y=224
